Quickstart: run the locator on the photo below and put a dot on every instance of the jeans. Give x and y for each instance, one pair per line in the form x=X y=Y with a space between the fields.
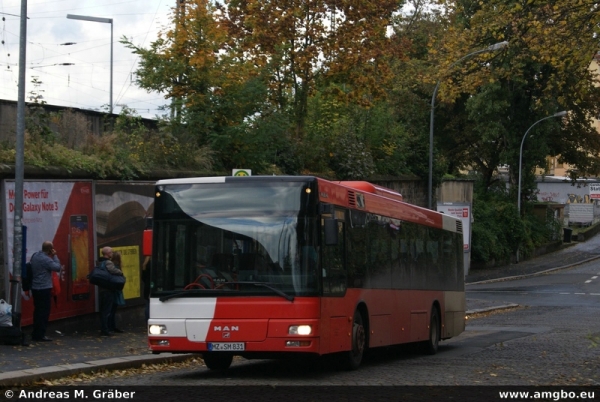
x=111 y=317
x=106 y=308
x=42 y=299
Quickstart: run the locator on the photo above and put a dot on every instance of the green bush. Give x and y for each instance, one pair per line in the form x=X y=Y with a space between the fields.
x=124 y=153
x=498 y=232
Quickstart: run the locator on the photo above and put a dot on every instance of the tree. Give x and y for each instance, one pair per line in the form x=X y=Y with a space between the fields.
x=544 y=70
x=413 y=83
x=488 y=102
x=213 y=92
x=297 y=43
x=184 y=61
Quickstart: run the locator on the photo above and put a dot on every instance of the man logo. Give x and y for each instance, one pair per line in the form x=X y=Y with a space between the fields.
x=226 y=335
x=227 y=328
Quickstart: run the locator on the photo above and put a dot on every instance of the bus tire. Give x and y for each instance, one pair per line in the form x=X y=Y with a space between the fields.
x=351 y=360
x=430 y=346
x=217 y=360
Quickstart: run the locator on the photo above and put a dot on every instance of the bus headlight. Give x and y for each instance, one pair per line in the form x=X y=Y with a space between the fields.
x=300 y=330
x=156 y=329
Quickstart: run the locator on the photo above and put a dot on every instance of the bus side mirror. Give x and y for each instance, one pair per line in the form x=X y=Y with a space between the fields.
x=331 y=232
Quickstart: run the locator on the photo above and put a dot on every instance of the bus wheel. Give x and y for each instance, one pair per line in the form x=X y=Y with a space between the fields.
x=217 y=360
x=430 y=346
x=353 y=358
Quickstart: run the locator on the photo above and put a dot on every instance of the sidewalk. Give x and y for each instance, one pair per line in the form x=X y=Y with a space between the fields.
x=82 y=350
x=77 y=352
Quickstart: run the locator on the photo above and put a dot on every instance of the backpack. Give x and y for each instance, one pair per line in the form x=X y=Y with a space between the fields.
x=27 y=276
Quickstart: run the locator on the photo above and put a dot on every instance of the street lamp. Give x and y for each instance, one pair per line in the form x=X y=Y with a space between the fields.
x=492 y=48
x=559 y=114
x=107 y=21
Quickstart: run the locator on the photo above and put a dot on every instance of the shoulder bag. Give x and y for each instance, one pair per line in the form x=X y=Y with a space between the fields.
x=104 y=279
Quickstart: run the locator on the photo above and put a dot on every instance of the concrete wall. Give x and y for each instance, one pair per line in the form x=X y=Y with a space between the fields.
x=456 y=191
x=460 y=192
x=70 y=124
x=413 y=189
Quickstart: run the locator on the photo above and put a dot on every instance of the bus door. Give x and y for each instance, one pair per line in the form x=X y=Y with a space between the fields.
x=333 y=267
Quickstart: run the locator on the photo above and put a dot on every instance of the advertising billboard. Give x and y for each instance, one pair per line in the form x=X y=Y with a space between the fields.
x=60 y=212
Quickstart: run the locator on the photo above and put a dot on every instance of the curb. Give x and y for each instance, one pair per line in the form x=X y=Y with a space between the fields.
x=27 y=376
x=488 y=309
x=509 y=278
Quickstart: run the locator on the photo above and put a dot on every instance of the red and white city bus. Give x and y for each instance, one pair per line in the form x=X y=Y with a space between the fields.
x=268 y=266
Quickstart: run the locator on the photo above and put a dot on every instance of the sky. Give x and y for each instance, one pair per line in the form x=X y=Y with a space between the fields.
x=86 y=83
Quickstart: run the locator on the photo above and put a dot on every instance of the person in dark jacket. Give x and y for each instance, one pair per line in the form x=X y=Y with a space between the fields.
x=112 y=266
x=43 y=263
x=146 y=267
x=107 y=296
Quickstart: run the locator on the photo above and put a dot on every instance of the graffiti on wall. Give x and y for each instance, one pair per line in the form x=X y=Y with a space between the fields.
x=548 y=196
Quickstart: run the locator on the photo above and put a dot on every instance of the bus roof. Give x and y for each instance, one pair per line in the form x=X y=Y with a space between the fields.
x=225 y=179
x=359 y=195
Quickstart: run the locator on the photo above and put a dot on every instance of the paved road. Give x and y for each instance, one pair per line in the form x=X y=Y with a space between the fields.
x=528 y=346
x=577 y=286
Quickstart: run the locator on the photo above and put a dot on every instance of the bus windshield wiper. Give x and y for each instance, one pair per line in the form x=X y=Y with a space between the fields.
x=274 y=289
x=263 y=284
x=179 y=294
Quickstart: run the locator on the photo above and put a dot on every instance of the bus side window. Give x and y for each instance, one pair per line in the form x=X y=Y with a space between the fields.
x=334 y=273
x=331 y=231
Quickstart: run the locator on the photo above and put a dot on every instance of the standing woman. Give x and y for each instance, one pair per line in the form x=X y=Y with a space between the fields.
x=118 y=299
x=105 y=295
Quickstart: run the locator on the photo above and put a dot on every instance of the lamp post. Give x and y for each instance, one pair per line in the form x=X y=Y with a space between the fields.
x=106 y=21
x=492 y=48
x=559 y=114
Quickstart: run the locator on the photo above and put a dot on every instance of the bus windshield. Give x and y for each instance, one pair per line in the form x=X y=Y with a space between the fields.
x=235 y=239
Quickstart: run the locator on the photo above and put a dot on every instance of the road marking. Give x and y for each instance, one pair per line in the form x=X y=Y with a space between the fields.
x=539 y=293
x=594 y=277
x=588 y=281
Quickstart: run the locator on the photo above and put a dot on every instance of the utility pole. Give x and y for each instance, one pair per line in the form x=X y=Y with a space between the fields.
x=19 y=174
x=176 y=101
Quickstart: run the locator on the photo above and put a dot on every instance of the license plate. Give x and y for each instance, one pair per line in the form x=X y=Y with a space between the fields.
x=226 y=347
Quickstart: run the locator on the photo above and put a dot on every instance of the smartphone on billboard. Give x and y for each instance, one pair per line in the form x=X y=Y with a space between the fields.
x=80 y=259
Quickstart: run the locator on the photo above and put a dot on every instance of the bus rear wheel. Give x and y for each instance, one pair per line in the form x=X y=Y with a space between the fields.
x=353 y=357
x=430 y=346
x=217 y=360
